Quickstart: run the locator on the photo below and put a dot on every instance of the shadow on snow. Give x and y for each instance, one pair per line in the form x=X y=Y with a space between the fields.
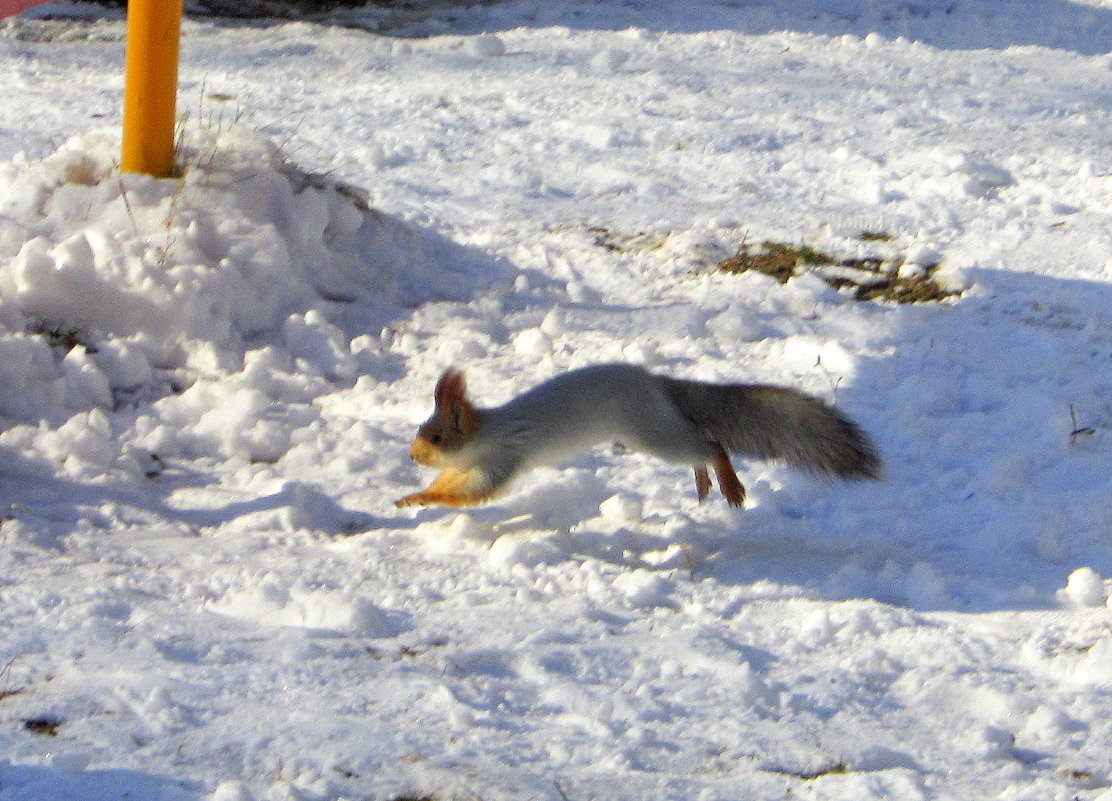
x=27 y=782
x=946 y=24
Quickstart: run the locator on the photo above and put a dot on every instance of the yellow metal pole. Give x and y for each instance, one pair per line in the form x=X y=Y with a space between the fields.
x=151 y=86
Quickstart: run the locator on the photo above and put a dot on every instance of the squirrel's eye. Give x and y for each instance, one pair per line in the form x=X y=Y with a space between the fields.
x=435 y=439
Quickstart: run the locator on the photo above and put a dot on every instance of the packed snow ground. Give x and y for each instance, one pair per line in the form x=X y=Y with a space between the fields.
x=207 y=387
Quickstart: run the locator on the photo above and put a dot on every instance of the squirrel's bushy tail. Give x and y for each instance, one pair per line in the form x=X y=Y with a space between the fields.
x=769 y=422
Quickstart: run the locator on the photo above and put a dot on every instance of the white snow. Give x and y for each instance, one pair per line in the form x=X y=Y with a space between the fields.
x=208 y=385
x=485 y=46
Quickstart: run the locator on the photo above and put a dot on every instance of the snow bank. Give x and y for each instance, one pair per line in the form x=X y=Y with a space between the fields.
x=123 y=288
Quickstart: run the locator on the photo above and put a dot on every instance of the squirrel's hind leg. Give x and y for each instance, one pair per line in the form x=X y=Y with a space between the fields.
x=728 y=481
x=702 y=482
x=452 y=488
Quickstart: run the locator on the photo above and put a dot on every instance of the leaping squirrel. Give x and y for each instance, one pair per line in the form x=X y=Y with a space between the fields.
x=689 y=422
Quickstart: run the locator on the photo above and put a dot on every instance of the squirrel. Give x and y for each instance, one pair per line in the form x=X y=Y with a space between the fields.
x=688 y=422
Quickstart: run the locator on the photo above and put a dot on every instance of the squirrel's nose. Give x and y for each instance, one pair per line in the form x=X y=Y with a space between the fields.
x=419 y=451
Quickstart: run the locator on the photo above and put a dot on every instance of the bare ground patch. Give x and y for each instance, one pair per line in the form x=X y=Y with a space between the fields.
x=864 y=278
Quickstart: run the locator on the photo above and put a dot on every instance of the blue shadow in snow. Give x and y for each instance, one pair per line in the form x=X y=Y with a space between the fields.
x=40 y=783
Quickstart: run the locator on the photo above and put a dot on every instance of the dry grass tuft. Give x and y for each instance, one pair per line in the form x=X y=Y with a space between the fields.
x=866 y=279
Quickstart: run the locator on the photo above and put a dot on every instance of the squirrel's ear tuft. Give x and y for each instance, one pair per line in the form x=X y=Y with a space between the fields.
x=452 y=403
x=450 y=389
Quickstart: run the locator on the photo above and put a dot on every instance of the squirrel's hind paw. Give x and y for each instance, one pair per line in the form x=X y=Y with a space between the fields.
x=728 y=481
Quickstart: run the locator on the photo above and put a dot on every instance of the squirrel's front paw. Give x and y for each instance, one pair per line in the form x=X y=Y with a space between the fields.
x=430 y=498
x=413 y=499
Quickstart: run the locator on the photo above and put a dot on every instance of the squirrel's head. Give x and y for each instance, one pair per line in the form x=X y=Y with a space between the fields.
x=453 y=424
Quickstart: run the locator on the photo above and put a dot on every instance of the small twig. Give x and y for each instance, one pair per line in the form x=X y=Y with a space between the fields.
x=168 y=223
x=560 y=790
x=8 y=693
x=835 y=381
x=127 y=204
x=1079 y=430
x=834 y=769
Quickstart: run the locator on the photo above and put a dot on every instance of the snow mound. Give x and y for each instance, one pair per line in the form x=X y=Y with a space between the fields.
x=111 y=283
x=316 y=610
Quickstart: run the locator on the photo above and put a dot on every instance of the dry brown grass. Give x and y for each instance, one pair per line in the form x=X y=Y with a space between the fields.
x=865 y=279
